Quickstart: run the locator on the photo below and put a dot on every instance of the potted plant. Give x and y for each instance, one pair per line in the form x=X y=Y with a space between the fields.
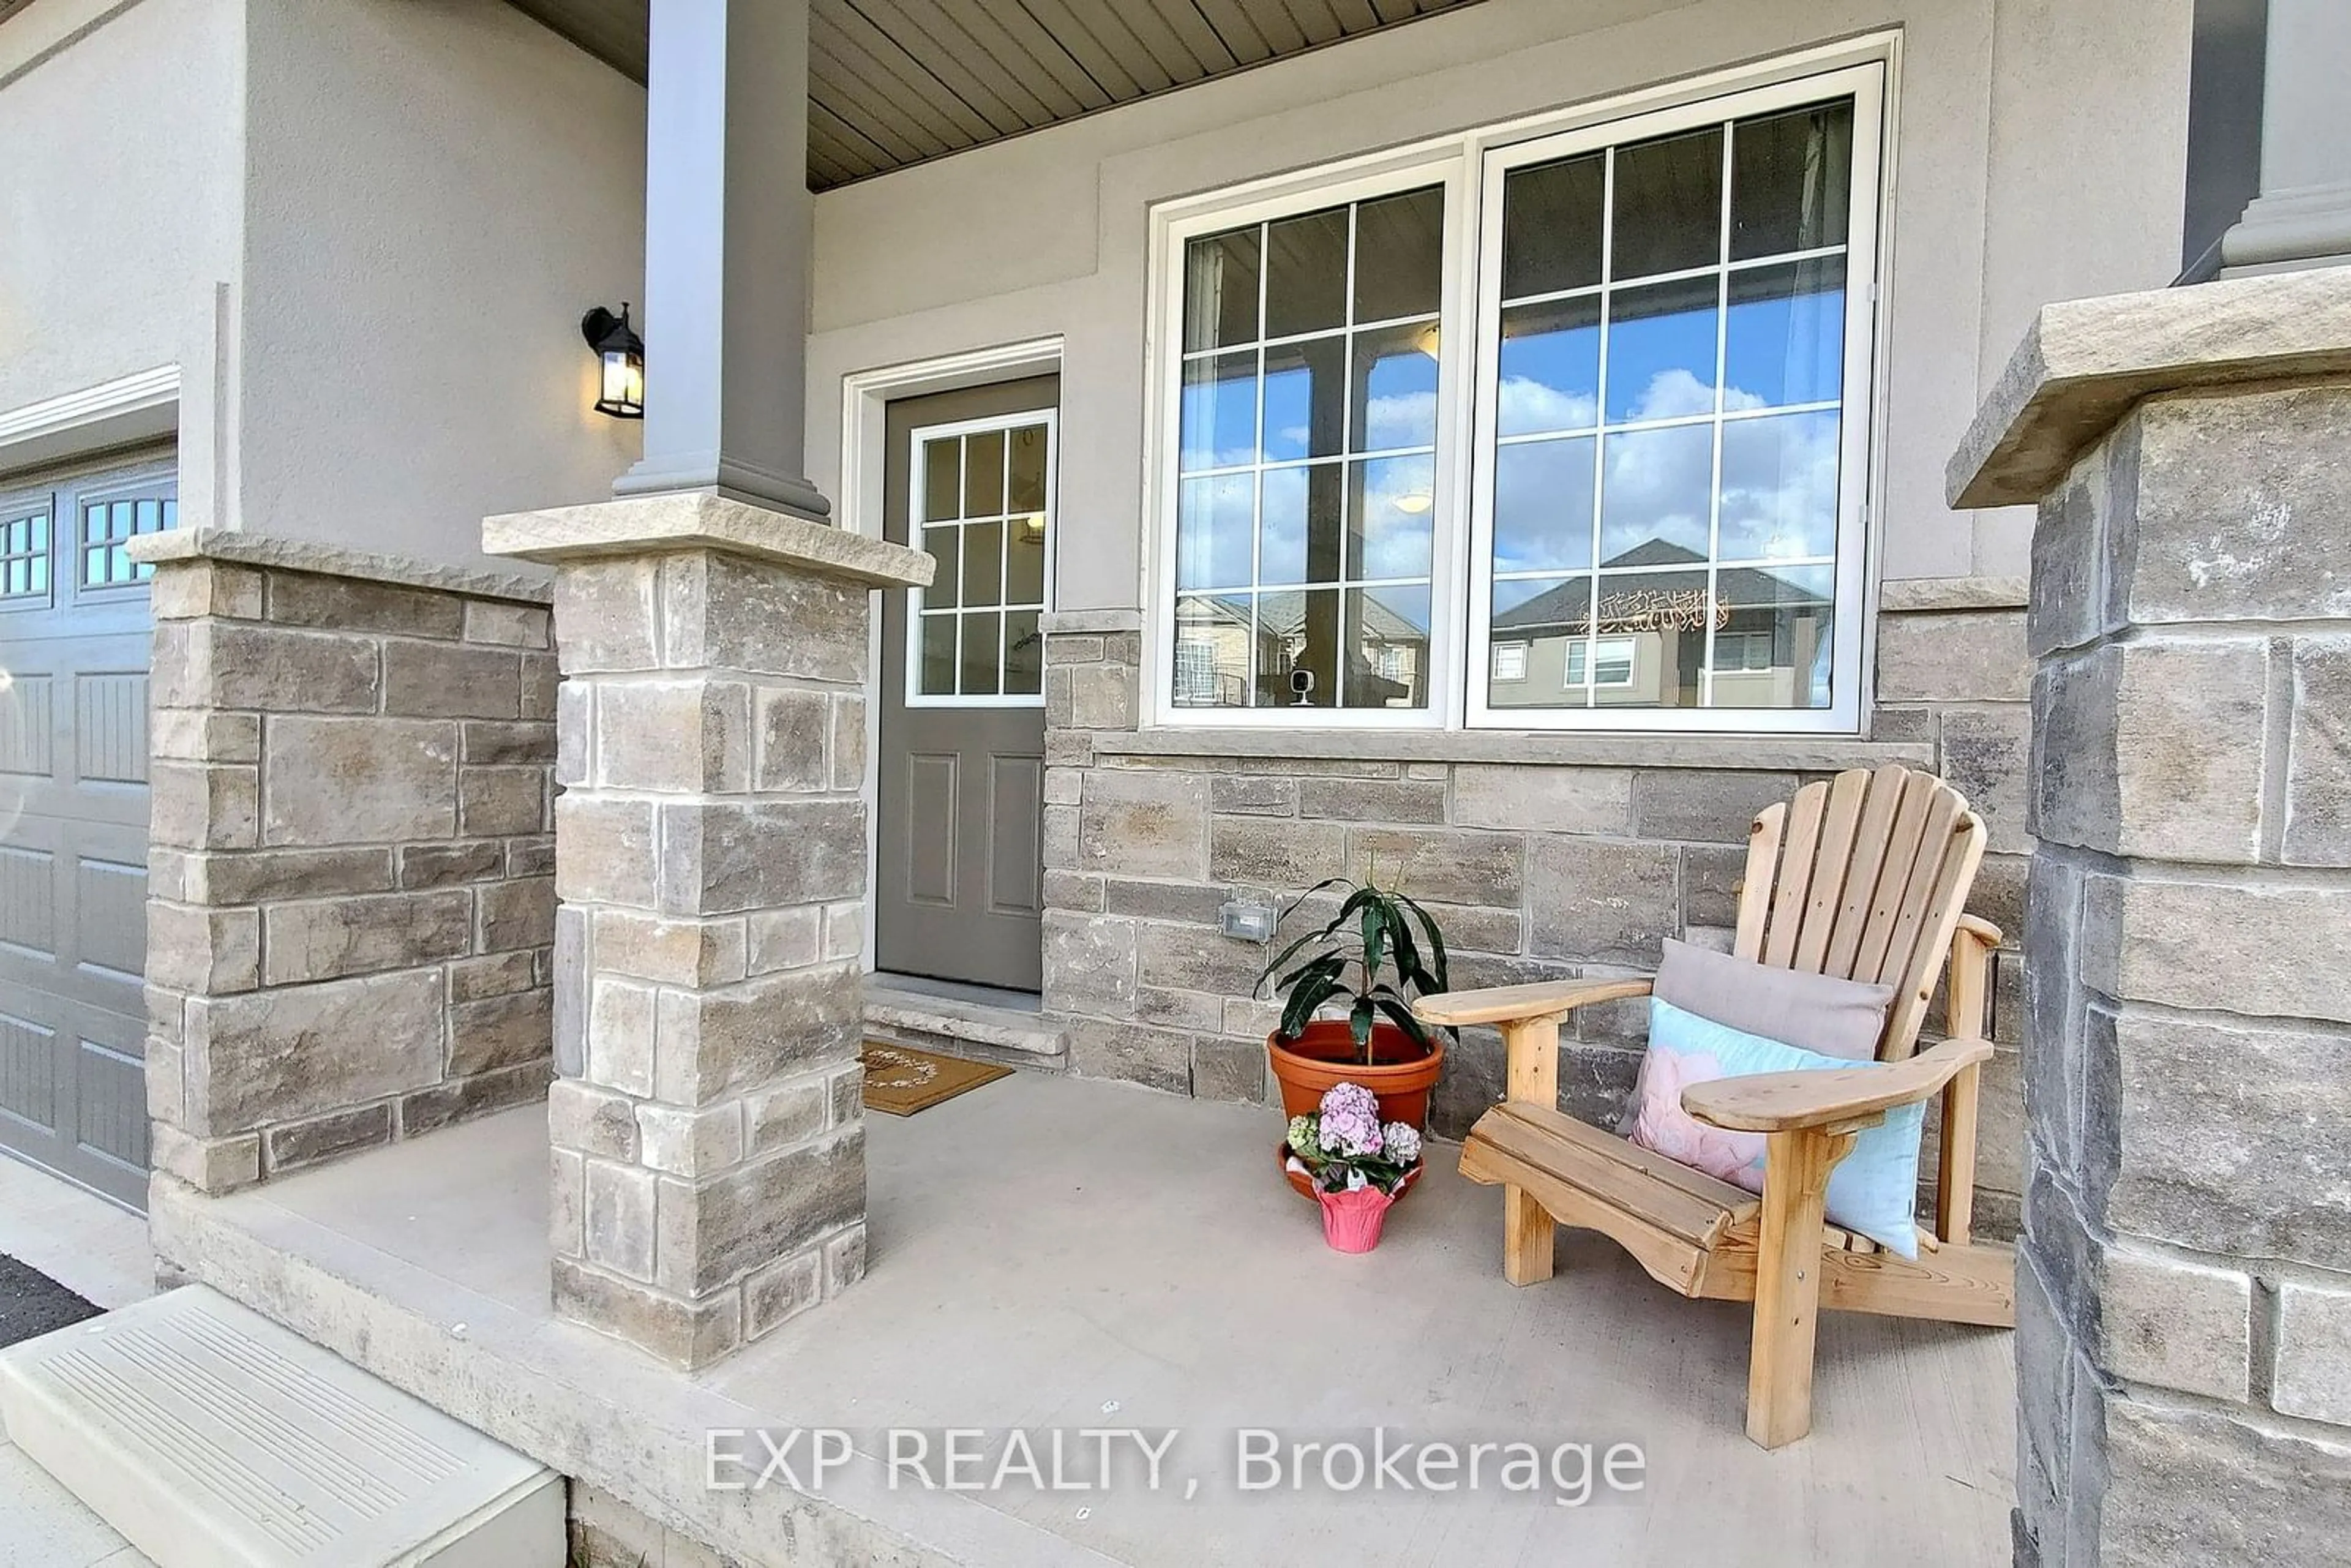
x=1376 y=1042
x=1354 y=1163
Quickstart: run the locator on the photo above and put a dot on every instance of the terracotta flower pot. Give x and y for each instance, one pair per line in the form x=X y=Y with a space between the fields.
x=1324 y=1056
x=1352 y=1220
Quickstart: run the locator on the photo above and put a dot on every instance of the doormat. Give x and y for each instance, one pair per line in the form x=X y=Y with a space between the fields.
x=31 y=1303
x=900 y=1081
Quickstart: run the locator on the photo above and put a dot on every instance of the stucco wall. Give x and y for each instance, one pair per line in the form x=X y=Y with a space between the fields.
x=436 y=192
x=118 y=220
x=365 y=231
x=1047 y=233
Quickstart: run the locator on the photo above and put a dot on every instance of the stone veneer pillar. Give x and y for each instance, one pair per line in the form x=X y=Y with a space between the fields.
x=351 y=904
x=2184 y=1281
x=711 y=851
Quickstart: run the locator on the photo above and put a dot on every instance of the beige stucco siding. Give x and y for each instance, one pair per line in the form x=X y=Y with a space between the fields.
x=119 y=129
x=2038 y=152
x=436 y=192
x=364 y=231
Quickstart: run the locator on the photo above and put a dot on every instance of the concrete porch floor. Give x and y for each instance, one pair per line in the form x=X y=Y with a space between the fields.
x=1058 y=1253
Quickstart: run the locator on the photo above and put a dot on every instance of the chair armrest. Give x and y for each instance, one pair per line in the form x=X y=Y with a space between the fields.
x=1982 y=930
x=1518 y=1004
x=1785 y=1102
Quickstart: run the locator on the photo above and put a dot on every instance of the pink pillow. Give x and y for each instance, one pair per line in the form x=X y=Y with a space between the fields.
x=1661 y=1125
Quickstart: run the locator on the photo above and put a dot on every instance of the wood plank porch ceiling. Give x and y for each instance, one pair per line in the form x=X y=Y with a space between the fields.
x=894 y=82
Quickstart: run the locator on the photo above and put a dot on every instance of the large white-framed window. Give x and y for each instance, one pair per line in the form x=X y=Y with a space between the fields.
x=1303 y=523
x=981 y=501
x=1559 y=424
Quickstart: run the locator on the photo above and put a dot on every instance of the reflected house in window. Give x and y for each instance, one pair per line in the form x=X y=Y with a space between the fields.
x=1647 y=644
x=1223 y=650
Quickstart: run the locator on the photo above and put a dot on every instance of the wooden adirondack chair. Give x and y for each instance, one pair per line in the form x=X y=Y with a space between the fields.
x=1863 y=877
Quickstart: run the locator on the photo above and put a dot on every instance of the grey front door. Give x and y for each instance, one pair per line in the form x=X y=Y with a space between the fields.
x=74 y=649
x=959 y=888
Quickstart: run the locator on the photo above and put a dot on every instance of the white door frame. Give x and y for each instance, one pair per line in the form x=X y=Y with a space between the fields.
x=866 y=397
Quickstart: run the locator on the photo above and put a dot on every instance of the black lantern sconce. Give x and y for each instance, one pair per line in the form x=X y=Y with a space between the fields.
x=620 y=388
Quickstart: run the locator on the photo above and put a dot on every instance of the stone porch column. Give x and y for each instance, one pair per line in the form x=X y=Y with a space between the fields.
x=710 y=856
x=2303 y=216
x=2184 y=1282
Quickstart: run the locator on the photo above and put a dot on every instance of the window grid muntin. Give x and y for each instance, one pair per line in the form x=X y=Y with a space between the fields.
x=108 y=523
x=1722 y=269
x=25 y=540
x=922 y=614
x=1346 y=587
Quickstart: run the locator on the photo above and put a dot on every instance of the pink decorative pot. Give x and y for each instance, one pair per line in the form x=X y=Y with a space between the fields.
x=1352 y=1220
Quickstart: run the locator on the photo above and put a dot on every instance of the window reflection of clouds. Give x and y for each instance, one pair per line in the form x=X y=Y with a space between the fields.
x=1219 y=413
x=1212 y=532
x=1302 y=397
x=1282 y=523
x=1785 y=342
x=1549 y=367
x=1662 y=336
x=1780 y=475
x=1779 y=487
x=1389 y=502
x=1656 y=484
x=1542 y=505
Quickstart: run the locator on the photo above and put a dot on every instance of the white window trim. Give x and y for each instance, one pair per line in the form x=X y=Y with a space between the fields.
x=1449 y=514
x=1470 y=167
x=918 y=477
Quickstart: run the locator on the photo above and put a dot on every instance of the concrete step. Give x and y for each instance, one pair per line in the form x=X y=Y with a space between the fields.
x=208 y=1437
x=956 y=1027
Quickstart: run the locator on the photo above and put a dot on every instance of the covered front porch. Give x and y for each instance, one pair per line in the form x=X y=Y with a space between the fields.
x=1051 y=1253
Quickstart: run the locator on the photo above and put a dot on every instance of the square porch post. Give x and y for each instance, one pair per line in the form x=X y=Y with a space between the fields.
x=727 y=225
x=710 y=854
x=707 y=1132
x=2303 y=216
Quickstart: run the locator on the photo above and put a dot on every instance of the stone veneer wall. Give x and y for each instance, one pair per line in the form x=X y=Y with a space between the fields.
x=2184 y=1281
x=351 y=898
x=1543 y=857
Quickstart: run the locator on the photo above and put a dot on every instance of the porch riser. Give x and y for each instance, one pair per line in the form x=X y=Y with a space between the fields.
x=575 y=1401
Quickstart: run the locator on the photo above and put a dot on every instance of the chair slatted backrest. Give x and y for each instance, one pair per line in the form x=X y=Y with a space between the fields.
x=1863 y=876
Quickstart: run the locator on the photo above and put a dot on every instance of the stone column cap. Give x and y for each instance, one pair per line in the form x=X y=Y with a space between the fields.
x=242 y=548
x=2086 y=362
x=643 y=525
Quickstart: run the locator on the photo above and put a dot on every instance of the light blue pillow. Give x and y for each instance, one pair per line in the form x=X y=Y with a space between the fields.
x=1873 y=1191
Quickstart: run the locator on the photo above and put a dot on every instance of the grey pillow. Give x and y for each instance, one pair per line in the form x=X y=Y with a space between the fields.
x=1818 y=1012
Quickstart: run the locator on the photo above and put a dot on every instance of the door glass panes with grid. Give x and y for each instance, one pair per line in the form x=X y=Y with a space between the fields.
x=1306 y=470
x=983 y=501
x=1667 y=414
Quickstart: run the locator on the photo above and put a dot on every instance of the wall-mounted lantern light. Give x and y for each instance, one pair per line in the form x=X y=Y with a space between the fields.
x=621 y=388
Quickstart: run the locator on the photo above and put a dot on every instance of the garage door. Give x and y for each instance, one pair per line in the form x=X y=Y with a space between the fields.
x=74 y=635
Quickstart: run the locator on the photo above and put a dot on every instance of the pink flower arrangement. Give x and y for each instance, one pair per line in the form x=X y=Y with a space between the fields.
x=1344 y=1147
